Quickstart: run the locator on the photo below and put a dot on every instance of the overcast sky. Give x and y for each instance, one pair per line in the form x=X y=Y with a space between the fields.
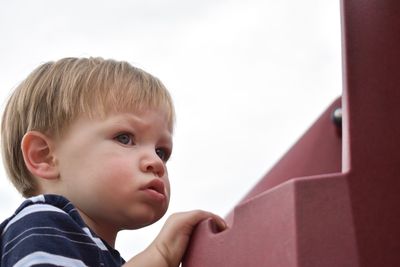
x=247 y=77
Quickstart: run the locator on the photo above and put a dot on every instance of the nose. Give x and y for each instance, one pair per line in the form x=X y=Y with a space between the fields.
x=151 y=162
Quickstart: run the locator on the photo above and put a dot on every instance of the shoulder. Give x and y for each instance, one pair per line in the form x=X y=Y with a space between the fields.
x=41 y=212
x=47 y=227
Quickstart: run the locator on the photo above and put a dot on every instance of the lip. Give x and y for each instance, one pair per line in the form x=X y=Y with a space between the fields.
x=155 y=189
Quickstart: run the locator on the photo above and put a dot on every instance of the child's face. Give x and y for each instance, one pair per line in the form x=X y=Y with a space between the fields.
x=114 y=169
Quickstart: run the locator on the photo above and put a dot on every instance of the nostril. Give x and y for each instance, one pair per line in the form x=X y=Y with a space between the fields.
x=149 y=168
x=157 y=169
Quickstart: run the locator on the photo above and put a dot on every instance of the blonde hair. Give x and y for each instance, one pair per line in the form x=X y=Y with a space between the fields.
x=56 y=93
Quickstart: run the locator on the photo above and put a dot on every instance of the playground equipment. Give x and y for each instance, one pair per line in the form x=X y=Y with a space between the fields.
x=333 y=199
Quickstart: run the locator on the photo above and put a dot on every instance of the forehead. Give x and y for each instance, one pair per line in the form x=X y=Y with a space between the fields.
x=135 y=112
x=143 y=120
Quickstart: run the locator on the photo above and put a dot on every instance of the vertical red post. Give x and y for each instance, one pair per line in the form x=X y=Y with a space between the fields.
x=371 y=102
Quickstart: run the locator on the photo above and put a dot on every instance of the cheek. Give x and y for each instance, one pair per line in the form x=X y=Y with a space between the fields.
x=102 y=169
x=167 y=185
x=118 y=171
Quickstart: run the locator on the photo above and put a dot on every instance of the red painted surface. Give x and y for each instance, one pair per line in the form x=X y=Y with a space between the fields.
x=329 y=202
x=371 y=99
x=295 y=216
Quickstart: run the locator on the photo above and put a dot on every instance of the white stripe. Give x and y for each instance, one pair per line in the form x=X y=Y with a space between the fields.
x=39 y=198
x=66 y=205
x=46 y=235
x=96 y=240
x=44 y=228
x=41 y=257
x=32 y=209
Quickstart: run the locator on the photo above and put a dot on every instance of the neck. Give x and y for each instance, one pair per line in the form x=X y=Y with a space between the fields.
x=105 y=232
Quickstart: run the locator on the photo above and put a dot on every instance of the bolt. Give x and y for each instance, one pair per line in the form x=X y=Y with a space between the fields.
x=337 y=117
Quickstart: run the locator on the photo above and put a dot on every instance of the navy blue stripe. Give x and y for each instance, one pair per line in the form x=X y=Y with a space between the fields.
x=53 y=231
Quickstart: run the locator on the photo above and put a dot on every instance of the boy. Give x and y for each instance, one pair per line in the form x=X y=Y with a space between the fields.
x=87 y=142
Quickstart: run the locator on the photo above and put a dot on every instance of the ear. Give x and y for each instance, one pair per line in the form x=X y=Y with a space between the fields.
x=38 y=153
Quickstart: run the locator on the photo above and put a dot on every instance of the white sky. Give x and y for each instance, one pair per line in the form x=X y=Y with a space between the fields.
x=247 y=77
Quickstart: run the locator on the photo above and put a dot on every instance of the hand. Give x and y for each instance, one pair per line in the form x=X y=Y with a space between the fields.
x=174 y=237
x=170 y=244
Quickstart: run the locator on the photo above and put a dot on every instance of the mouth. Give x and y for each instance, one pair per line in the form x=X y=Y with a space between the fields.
x=156 y=189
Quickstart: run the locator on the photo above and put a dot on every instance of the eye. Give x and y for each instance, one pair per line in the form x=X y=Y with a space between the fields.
x=125 y=138
x=163 y=153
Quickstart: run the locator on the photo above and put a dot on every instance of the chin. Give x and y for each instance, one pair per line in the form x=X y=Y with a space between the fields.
x=146 y=220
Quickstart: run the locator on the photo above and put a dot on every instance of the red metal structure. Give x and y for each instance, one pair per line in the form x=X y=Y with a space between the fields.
x=333 y=199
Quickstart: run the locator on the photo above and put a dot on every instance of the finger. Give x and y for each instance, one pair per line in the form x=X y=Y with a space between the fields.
x=197 y=216
x=221 y=224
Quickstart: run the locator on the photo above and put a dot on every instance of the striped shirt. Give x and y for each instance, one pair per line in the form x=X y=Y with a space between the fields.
x=47 y=230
